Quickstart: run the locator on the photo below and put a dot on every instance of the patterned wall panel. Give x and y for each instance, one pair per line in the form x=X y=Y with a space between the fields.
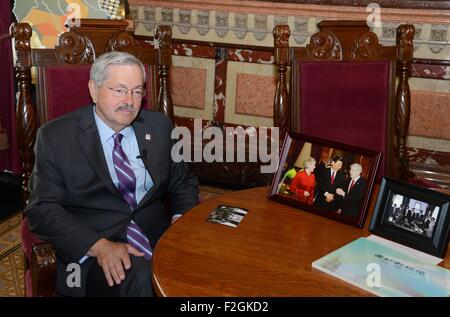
x=250 y=103
x=192 y=81
x=430 y=114
x=193 y=84
x=254 y=94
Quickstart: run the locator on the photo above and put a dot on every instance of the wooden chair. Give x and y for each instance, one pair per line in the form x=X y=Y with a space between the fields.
x=343 y=88
x=61 y=76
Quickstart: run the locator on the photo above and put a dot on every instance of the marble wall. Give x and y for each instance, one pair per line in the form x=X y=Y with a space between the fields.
x=227 y=84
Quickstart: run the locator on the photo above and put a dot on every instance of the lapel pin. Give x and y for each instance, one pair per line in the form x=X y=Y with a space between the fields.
x=148 y=137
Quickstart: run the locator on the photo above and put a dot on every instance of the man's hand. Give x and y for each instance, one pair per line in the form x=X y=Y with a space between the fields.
x=340 y=192
x=113 y=257
x=329 y=197
x=306 y=194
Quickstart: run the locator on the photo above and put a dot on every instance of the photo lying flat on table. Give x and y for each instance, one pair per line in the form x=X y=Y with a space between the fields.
x=328 y=178
x=414 y=216
x=227 y=215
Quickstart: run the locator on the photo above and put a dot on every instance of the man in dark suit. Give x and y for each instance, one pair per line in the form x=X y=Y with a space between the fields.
x=99 y=184
x=350 y=197
x=328 y=181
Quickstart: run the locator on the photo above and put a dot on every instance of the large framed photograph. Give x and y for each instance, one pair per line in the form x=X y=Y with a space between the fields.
x=413 y=216
x=330 y=179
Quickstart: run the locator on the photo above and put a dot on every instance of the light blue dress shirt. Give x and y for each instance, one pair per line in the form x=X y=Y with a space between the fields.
x=130 y=146
x=131 y=149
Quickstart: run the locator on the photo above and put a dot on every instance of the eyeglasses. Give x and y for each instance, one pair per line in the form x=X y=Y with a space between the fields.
x=122 y=92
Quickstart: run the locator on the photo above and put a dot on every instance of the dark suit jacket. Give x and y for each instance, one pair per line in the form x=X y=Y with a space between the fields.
x=351 y=203
x=73 y=201
x=324 y=185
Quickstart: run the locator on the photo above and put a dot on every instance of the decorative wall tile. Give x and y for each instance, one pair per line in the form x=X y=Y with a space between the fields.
x=221 y=24
x=149 y=18
x=389 y=31
x=167 y=16
x=254 y=95
x=184 y=17
x=418 y=33
x=202 y=22
x=242 y=97
x=300 y=32
x=195 y=76
x=430 y=114
x=240 y=25
x=438 y=34
x=260 y=30
x=193 y=82
x=280 y=19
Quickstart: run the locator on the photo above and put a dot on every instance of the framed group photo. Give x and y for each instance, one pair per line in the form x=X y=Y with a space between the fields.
x=330 y=179
x=414 y=216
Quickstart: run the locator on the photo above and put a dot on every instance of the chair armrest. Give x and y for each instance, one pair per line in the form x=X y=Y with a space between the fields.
x=43 y=270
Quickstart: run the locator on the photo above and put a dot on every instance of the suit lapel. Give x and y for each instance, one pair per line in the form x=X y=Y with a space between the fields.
x=354 y=185
x=89 y=140
x=144 y=139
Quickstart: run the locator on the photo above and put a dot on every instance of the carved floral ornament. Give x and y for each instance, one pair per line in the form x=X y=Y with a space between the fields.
x=260 y=27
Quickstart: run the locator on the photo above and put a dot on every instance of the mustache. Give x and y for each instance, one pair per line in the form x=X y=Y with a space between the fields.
x=126 y=107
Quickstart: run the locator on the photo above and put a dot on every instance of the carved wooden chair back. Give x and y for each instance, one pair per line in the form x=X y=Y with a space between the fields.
x=343 y=88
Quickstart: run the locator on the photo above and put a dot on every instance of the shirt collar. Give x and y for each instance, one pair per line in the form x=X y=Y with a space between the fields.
x=106 y=133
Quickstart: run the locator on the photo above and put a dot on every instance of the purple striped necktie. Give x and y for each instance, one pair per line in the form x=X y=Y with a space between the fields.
x=127 y=186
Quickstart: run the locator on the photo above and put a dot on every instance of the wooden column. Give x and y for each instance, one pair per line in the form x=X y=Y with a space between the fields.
x=164 y=36
x=25 y=110
x=405 y=35
x=281 y=111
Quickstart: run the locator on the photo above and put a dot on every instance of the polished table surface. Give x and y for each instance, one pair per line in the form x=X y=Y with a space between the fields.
x=268 y=254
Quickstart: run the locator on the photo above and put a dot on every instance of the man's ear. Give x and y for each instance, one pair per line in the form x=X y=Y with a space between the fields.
x=93 y=90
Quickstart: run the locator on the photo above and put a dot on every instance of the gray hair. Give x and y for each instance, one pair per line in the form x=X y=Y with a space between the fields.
x=308 y=161
x=99 y=70
x=357 y=167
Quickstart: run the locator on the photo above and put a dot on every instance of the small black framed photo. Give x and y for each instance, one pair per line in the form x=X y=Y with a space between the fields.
x=414 y=216
x=330 y=179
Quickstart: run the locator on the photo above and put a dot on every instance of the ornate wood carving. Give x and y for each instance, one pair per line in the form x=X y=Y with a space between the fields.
x=74 y=47
x=365 y=46
x=124 y=42
x=25 y=111
x=281 y=114
x=405 y=35
x=99 y=31
x=163 y=37
x=43 y=270
x=324 y=45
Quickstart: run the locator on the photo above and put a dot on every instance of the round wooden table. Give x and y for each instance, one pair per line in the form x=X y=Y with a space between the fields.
x=268 y=254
